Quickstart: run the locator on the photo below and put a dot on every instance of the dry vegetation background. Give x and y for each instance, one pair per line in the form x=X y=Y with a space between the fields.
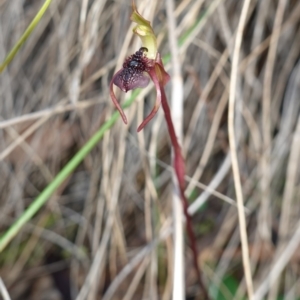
x=106 y=233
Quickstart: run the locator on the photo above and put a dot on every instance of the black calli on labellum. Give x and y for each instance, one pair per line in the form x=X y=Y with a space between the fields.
x=132 y=75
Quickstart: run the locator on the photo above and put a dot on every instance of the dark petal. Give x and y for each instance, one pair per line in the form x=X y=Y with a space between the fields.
x=139 y=81
x=158 y=87
x=118 y=80
x=130 y=79
x=160 y=78
x=113 y=97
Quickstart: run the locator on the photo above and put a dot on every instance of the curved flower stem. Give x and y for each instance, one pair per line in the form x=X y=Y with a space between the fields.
x=179 y=166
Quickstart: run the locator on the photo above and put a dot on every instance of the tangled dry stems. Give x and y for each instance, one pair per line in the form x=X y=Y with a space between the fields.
x=55 y=95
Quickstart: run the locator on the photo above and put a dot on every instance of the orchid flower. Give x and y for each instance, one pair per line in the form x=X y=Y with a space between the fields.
x=141 y=65
x=137 y=70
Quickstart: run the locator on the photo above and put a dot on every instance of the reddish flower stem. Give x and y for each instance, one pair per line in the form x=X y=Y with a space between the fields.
x=179 y=166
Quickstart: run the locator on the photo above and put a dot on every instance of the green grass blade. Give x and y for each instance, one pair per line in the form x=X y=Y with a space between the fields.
x=25 y=36
x=61 y=176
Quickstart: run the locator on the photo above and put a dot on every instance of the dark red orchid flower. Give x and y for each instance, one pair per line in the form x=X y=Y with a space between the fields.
x=138 y=69
x=134 y=75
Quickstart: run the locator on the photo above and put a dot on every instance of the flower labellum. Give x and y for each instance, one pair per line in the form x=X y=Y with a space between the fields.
x=132 y=75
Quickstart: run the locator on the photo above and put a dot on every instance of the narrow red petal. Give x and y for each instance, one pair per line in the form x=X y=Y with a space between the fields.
x=114 y=99
x=154 y=78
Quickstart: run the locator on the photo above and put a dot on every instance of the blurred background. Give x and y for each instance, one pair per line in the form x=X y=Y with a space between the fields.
x=106 y=233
